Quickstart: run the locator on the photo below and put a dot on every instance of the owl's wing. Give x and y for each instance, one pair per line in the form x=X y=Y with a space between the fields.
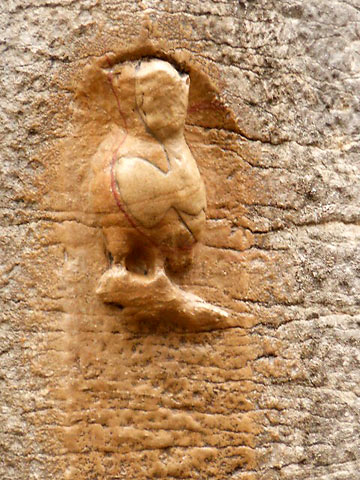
x=146 y=191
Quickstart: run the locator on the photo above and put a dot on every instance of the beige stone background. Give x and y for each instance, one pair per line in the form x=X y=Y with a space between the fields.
x=86 y=395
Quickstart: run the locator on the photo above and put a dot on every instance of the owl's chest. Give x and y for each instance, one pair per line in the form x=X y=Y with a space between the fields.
x=147 y=192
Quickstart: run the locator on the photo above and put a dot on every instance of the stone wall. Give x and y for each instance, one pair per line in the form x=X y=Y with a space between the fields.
x=86 y=394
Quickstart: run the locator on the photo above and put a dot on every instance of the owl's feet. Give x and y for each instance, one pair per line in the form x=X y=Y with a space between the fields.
x=153 y=296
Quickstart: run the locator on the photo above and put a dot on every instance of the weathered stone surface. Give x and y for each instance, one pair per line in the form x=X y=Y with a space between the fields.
x=85 y=394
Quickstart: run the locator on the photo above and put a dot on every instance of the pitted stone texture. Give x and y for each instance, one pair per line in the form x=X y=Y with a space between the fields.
x=275 y=400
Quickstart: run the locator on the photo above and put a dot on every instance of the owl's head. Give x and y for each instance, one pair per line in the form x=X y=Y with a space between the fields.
x=162 y=97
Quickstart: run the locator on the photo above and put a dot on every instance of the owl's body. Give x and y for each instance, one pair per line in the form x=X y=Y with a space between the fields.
x=148 y=174
x=148 y=193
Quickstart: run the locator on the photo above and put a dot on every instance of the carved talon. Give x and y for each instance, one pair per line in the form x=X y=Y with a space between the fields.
x=154 y=295
x=118 y=285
